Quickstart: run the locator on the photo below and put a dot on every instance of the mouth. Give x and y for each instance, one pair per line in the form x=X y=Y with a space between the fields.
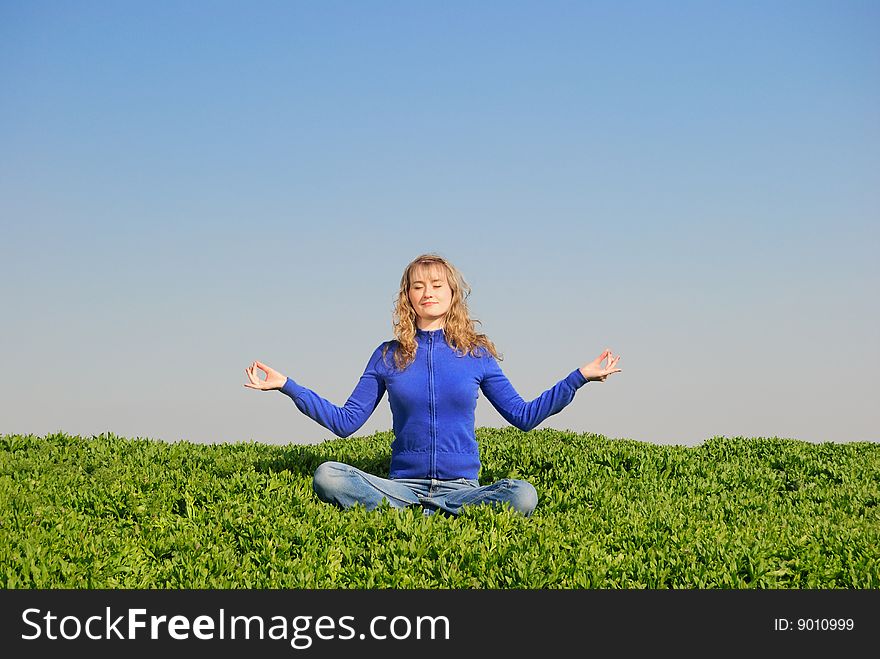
x=427 y=304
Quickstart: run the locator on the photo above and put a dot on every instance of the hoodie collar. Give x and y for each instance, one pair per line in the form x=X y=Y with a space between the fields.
x=426 y=333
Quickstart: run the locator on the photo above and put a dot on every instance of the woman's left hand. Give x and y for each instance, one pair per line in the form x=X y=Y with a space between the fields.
x=594 y=371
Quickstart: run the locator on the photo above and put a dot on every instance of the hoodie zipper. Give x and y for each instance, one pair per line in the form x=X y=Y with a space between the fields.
x=433 y=465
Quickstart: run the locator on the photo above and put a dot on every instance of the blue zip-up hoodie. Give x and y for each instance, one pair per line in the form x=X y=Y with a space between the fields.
x=433 y=403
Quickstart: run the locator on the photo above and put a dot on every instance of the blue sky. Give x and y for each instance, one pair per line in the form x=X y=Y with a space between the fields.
x=187 y=187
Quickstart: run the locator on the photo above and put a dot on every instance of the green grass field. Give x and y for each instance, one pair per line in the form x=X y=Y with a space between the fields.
x=112 y=512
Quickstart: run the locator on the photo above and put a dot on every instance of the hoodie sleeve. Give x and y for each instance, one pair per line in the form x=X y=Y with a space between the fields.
x=516 y=411
x=348 y=418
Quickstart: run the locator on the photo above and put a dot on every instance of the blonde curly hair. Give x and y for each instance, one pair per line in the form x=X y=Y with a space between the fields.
x=458 y=327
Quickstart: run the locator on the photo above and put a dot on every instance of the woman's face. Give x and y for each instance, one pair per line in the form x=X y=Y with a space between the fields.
x=430 y=295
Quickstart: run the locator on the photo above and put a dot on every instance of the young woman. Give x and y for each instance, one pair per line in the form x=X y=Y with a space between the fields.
x=432 y=373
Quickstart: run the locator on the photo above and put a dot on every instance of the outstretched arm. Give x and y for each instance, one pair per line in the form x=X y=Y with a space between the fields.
x=527 y=415
x=341 y=420
x=516 y=411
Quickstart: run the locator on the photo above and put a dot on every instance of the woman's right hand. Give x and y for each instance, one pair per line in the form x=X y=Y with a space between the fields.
x=274 y=379
x=595 y=372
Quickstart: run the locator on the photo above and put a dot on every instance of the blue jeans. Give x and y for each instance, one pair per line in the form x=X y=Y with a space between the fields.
x=347 y=486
